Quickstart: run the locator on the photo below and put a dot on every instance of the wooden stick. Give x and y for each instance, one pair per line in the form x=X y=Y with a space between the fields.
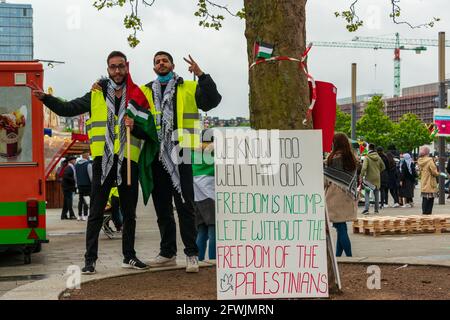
x=128 y=156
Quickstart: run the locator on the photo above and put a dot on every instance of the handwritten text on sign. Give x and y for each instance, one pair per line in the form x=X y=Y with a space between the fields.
x=270 y=218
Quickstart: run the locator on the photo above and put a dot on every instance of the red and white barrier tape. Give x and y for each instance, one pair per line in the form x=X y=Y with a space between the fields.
x=303 y=66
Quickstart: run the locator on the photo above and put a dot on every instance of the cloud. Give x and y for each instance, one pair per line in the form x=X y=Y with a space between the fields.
x=75 y=32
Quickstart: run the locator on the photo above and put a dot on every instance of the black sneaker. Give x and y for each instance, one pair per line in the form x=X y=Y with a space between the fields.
x=89 y=268
x=134 y=263
x=365 y=212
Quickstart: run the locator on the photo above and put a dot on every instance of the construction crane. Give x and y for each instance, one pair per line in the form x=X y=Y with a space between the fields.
x=399 y=45
x=380 y=44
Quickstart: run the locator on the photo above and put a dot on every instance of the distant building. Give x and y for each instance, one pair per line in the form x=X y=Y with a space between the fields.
x=360 y=98
x=217 y=122
x=419 y=100
x=16 y=32
x=346 y=104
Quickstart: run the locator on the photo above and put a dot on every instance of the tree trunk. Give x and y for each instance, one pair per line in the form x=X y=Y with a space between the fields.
x=279 y=92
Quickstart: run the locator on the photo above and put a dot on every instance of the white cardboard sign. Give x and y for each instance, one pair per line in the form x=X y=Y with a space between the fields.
x=270 y=214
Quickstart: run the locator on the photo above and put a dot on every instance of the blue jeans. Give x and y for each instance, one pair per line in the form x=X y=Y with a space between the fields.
x=343 y=241
x=376 y=194
x=204 y=234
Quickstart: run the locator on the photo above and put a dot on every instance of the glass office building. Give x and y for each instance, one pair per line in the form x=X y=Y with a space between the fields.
x=16 y=31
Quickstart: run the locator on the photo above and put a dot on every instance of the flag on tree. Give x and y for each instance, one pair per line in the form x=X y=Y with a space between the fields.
x=263 y=50
x=138 y=109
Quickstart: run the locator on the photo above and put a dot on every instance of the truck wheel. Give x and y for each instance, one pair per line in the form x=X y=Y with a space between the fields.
x=27 y=258
x=37 y=248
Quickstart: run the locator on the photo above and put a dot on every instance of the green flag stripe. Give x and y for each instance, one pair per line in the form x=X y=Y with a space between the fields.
x=137 y=113
x=19 y=236
x=18 y=208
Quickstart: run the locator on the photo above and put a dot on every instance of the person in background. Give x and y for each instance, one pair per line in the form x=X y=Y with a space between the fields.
x=342 y=206
x=83 y=169
x=371 y=172
x=428 y=182
x=399 y=165
x=384 y=178
x=116 y=215
x=60 y=170
x=447 y=184
x=69 y=186
x=205 y=217
x=408 y=177
x=393 y=183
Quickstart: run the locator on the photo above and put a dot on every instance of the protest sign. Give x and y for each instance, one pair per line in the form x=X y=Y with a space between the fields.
x=270 y=214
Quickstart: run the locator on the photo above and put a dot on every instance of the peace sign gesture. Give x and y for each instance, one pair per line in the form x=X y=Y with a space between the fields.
x=37 y=91
x=193 y=66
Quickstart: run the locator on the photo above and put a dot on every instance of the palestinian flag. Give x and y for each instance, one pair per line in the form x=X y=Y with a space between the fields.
x=138 y=109
x=263 y=50
x=433 y=129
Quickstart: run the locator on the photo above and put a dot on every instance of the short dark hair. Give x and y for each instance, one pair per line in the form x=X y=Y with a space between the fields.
x=163 y=53
x=371 y=146
x=116 y=54
x=380 y=149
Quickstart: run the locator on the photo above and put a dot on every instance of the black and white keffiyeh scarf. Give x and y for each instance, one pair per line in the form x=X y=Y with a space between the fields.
x=164 y=104
x=346 y=181
x=108 y=152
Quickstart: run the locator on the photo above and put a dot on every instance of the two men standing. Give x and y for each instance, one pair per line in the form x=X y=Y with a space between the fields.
x=174 y=105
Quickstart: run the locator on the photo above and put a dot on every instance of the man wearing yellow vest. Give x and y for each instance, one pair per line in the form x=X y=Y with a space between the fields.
x=107 y=134
x=174 y=103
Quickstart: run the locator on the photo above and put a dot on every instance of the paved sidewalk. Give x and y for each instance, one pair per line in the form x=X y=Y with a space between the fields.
x=67 y=243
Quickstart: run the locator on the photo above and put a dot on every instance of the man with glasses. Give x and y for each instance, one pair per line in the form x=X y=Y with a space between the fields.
x=107 y=134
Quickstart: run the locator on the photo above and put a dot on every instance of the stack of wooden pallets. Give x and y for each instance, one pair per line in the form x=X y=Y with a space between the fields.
x=381 y=225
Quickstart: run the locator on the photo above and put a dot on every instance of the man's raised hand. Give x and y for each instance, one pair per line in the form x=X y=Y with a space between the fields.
x=36 y=91
x=193 y=66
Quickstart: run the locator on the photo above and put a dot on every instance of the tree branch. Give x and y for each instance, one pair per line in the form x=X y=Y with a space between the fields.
x=354 y=22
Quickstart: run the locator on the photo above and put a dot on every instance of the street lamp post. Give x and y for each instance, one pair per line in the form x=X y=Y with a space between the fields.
x=442 y=104
x=353 y=101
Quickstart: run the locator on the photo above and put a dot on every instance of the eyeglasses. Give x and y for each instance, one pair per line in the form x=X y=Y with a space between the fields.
x=113 y=67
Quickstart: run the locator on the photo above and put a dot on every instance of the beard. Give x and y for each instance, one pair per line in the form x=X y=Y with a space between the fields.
x=118 y=83
x=163 y=74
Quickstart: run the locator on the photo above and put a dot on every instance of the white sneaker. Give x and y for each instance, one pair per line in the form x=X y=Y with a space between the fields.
x=79 y=218
x=83 y=217
x=192 y=264
x=395 y=205
x=161 y=261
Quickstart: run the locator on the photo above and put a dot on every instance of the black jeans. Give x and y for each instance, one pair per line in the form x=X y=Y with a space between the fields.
x=162 y=195
x=99 y=198
x=427 y=205
x=68 y=204
x=394 y=194
x=384 y=196
x=116 y=215
x=83 y=207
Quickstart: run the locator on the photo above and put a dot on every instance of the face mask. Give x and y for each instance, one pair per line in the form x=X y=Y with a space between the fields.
x=166 y=78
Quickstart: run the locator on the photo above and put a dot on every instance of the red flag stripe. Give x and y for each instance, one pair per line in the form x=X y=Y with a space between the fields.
x=19 y=222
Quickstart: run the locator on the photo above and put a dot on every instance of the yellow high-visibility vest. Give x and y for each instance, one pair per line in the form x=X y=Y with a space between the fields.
x=188 y=118
x=96 y=128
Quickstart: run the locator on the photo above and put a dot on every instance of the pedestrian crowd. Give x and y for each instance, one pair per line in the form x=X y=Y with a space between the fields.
x=376 y=175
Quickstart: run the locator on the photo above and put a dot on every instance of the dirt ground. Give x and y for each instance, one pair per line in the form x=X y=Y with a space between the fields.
x=407 y=283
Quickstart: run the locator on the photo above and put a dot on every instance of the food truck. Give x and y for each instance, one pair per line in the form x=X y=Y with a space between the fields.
x=22 y=172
